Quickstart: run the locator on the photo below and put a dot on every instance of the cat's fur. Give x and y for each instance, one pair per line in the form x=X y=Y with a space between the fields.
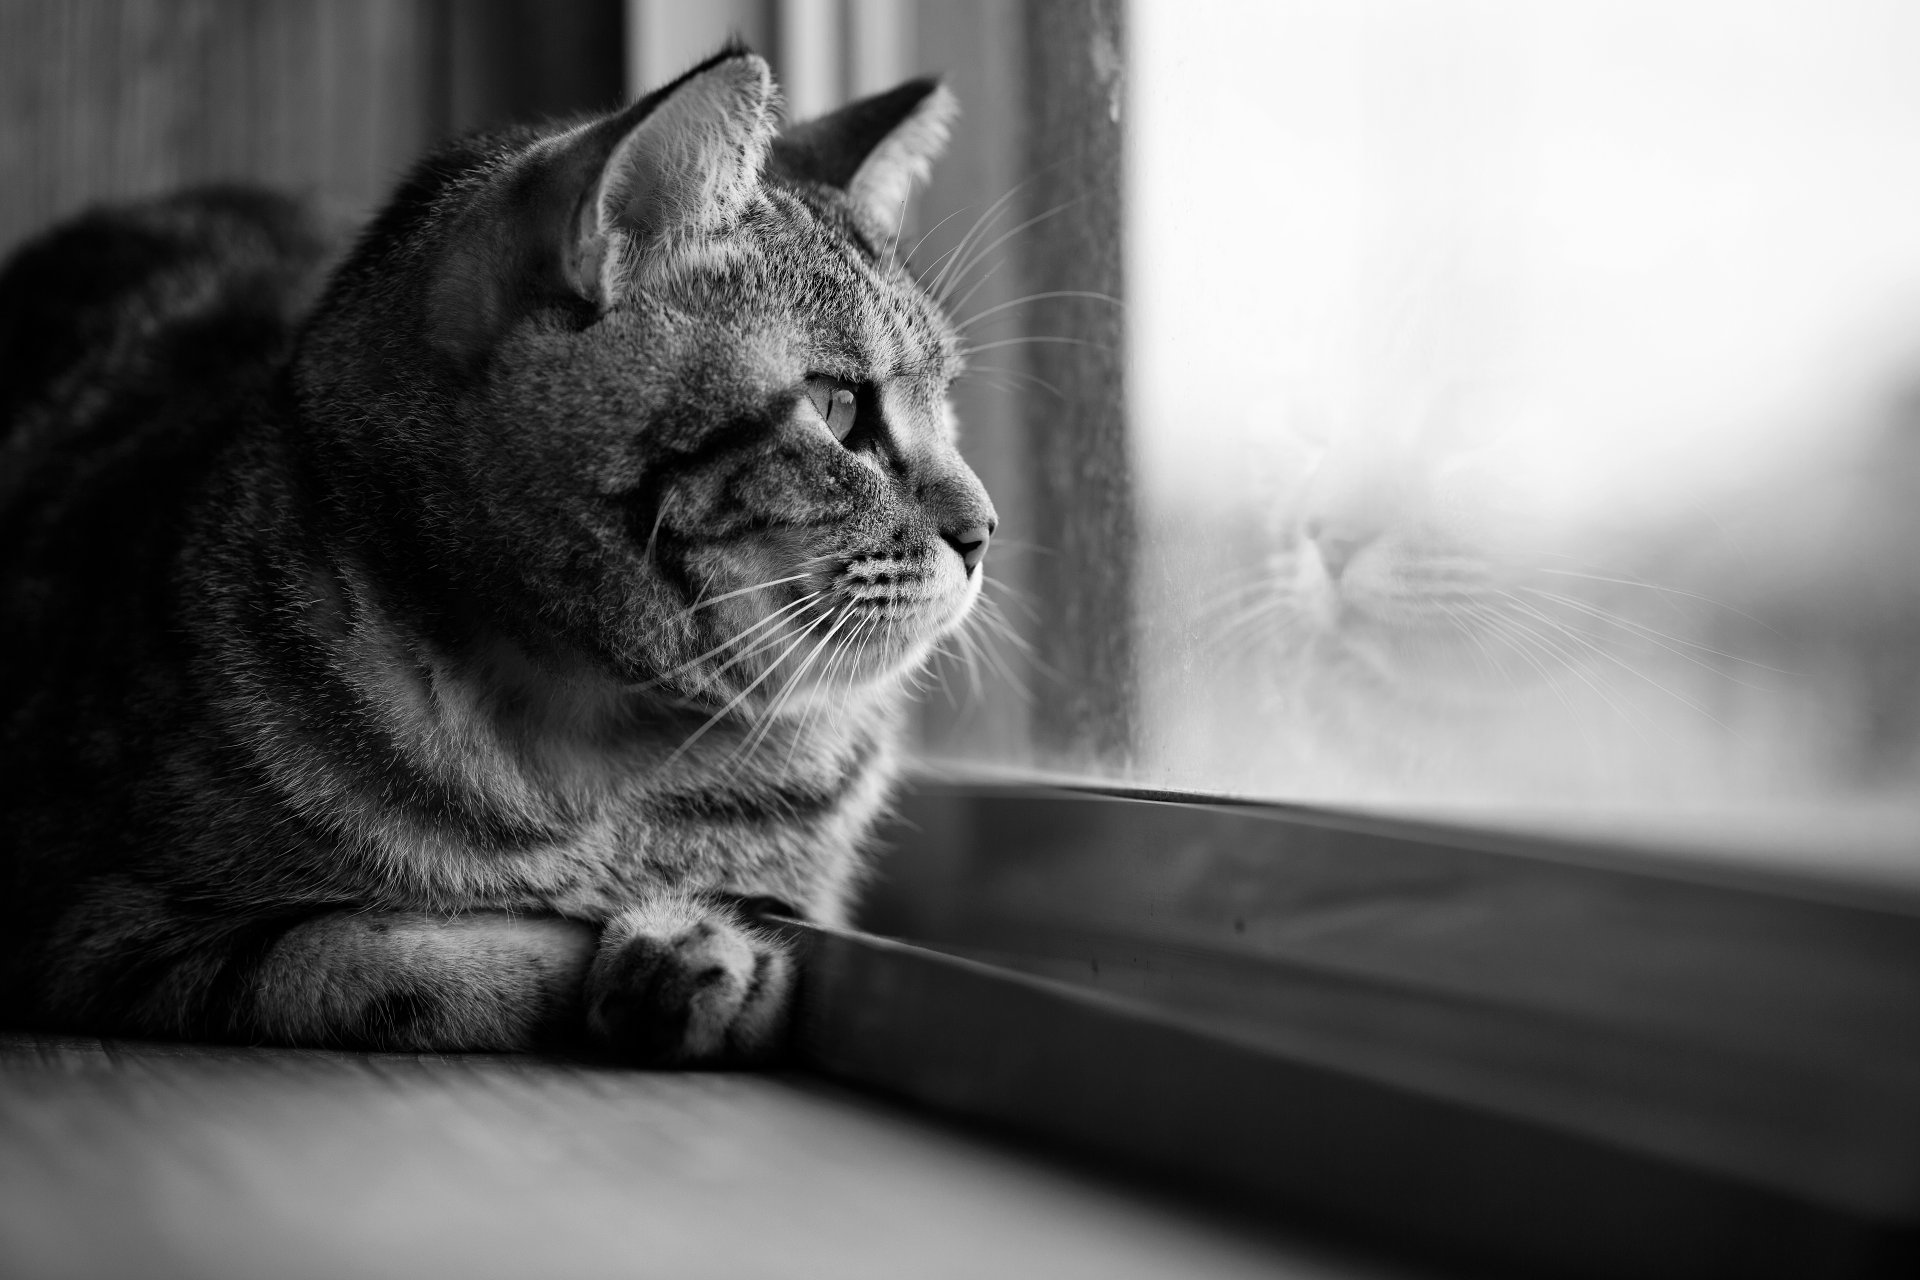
x=460 y=665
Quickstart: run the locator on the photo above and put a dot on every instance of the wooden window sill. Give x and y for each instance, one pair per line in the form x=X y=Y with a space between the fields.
x=1542 y=1061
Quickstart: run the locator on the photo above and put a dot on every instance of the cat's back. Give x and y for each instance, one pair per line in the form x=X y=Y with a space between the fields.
x=149 y=302
x=133 y=340
x=130 y=336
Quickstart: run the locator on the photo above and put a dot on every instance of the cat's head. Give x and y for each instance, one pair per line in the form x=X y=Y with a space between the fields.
x=653 y=390
x=1397 y=554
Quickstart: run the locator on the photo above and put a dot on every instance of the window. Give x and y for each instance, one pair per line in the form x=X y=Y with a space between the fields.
x=1508 y=416
x=1477 y=435
x=1524 y=412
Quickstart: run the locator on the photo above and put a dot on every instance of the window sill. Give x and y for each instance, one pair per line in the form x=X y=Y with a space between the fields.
x=1600 y=1069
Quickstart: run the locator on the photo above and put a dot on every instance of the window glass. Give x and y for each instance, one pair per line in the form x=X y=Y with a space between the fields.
x=1526 y=404
x=1522 y=412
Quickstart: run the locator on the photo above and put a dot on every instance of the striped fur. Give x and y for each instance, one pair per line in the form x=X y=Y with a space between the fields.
x=459 y=661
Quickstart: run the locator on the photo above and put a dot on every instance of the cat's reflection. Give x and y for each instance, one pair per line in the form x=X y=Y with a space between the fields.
x=1425 y=624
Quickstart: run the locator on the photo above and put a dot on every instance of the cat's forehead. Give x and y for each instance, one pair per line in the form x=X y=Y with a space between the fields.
x=797 y=267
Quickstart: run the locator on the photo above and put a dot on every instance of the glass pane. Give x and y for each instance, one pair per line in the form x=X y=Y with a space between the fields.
x=1526 y=406
x=1521 y=406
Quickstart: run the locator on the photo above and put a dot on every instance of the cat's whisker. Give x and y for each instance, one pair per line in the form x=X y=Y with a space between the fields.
x=1241 y=607
x=943 y=662
x=957 y=253
x=653 y=534
x=1657 y=637
x=745 y=693
x=738 y=638
x=999 y=385
x=1014 y=598
x=1525 y=643
x=996 y=309
x=960 y=303
x=951 y=652
x=998 y=629
x=772 y=640
x=958 y=260
x=942 y=292
x=1021 y=375
x=1452 y=616
x=1252 y=581
x=1040 y=338
x=1246 y=616
x=1232 y=613
x=971 y=648
x=707 y=602
x=951 y=262
x=847 y=646
x=976 y=647
x=993 y=619
x=771 y=715
x=1631 y=632
x=899 y=225
x=1234 y=600
x=1023 y=546
x=1602 y=651
x=1642 y=585
x=931 y=231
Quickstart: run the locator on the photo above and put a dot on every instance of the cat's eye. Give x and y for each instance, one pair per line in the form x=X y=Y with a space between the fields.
x=833 y=399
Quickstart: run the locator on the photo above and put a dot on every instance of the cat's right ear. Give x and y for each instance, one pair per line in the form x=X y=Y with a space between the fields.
x=684 y=166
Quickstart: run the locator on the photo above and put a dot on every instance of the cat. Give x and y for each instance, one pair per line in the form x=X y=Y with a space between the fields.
x=470 y=656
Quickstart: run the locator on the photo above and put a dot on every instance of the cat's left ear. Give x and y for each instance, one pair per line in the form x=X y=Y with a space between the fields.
x=873 y=150
x=687 y=167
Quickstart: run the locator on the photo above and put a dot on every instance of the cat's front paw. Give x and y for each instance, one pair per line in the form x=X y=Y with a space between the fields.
x=681 y=982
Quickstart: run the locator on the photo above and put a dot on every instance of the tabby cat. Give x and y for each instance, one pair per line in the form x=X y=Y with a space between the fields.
x=466 y=651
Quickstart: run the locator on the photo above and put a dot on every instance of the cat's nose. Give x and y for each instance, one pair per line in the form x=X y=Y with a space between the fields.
x=971 y=543
x=1337 y=543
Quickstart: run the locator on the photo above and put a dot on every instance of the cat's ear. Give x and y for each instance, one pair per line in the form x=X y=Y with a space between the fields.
x=875 y=149
x=687 y=166
x=681 y=162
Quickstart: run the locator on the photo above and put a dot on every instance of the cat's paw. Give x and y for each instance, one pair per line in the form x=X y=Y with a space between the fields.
x=682 y=982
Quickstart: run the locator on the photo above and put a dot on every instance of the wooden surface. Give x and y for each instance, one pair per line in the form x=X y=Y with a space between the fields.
x=159 y=1161
x=102 y=100
x=115 y=99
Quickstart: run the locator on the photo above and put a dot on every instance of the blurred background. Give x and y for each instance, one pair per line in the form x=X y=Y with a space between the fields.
x=1526 y=413
x=1489 y=409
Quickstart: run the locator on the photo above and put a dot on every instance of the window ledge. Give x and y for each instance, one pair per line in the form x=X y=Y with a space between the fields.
x=1542 y=1061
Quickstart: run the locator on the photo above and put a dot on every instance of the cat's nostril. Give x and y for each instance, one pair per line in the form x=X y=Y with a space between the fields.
x=1336 y=549
x=971 y=543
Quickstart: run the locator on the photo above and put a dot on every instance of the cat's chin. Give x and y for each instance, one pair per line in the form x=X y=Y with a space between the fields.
x=894 y=646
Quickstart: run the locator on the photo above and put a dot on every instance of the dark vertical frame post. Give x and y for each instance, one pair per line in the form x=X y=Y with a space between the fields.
x=1083 y=508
